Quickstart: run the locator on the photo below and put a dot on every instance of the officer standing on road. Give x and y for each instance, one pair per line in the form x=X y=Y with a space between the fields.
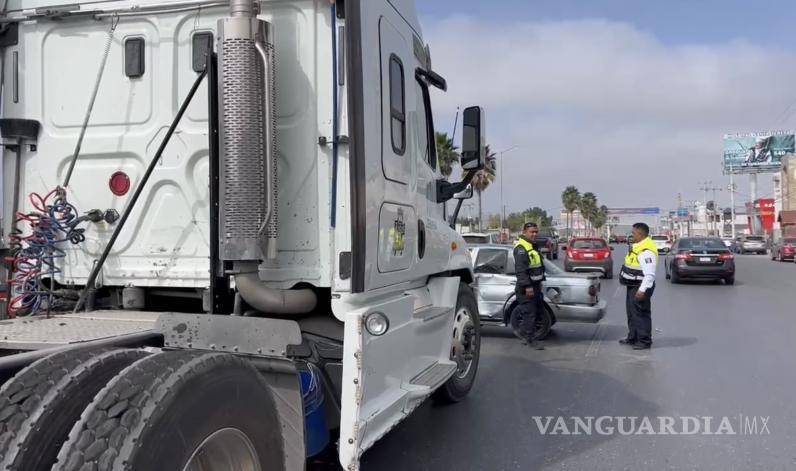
x=638 y=274
x=530 y=274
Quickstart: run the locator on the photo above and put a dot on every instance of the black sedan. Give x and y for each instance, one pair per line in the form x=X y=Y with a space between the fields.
x=700 y=258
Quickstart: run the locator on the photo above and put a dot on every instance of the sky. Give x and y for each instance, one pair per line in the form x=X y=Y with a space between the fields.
x=626 y=99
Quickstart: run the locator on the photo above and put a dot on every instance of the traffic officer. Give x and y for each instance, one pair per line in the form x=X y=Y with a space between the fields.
x=530 y=274
x=638 y=274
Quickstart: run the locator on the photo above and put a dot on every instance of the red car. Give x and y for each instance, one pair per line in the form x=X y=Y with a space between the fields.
x=784 y=249
x=589 y=254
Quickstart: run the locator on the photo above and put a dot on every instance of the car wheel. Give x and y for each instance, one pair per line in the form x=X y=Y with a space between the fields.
x=609 y=275
x=555 y=255
x=543 y=324
x=730 y=280
x=675 y=277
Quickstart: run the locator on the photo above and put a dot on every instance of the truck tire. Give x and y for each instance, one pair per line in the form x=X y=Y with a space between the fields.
x=41 y=404
x=167 y=411
x=466 y=336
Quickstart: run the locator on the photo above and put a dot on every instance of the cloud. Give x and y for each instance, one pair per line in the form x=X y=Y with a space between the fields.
x=605 y=106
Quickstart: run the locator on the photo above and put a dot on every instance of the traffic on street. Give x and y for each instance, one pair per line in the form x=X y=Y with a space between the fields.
x=410 y=235
x=718 y=351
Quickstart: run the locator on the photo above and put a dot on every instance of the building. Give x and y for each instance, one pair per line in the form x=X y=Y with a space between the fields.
x=787 y=183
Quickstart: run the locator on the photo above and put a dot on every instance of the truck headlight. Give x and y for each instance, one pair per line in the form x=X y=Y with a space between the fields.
x=376 y=323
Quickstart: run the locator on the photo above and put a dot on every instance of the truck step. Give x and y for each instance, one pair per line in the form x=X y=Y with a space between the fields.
x=432 y=312
x=37 y=332
x=434 y=376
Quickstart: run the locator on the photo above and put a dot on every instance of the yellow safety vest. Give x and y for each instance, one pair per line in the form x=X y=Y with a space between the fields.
x=536 y=269
x=631 y=273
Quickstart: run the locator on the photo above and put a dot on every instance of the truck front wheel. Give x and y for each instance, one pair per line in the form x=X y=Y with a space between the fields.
x=465 y=349
x=179 y=411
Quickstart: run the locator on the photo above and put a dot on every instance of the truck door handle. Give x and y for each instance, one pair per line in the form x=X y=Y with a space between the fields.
x=421 y=238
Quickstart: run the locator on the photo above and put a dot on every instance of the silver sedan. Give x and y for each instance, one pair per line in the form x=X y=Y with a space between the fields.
x=568 y=297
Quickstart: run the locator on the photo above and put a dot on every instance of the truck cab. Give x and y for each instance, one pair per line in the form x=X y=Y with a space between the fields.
x=245 y=190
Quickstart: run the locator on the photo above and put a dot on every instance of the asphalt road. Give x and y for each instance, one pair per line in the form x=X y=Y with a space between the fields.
x=719 y=351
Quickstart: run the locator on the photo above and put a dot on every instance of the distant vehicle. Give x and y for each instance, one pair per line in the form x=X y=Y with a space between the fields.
x=784 y=249
x=589 y=254
x=751 y=243
x=700 y=258
x=546 y=243
x=568 y=297
x=612 y=239
x=663 y=243
x=621 y=239
x=481 y=238
x=728 y=242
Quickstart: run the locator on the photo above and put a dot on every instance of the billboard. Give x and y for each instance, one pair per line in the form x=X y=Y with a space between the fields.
x=757 y=151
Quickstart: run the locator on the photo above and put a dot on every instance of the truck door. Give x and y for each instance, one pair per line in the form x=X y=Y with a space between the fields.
x=397 y=214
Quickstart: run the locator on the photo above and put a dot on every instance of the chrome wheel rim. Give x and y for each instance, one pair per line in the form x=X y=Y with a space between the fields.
x=228 y=449
x=465 y=342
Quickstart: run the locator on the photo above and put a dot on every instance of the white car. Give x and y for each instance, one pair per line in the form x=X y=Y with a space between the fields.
x=663 y=243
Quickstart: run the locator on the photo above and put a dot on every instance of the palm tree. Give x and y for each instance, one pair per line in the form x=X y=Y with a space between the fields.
x=570 y=199
x=483 y=178
x=588 y=207
x=601 y=217
x=447 y=154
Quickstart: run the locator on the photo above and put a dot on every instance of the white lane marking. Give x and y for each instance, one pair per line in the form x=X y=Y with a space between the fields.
x=596 y=340
x=616 y=293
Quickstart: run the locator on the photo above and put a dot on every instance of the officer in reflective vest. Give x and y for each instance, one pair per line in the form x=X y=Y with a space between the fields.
x=638 y=274
x=530 y=274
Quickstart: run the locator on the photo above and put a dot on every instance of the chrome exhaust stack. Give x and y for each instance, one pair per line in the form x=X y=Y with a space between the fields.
x=248 y=219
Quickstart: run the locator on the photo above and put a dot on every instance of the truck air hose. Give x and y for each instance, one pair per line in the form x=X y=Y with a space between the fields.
x=51 y=222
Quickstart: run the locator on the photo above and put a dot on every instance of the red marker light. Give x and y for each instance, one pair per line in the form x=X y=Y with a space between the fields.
x=119 y=183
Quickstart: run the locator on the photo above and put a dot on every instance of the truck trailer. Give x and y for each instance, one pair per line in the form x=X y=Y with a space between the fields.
x=224 y=232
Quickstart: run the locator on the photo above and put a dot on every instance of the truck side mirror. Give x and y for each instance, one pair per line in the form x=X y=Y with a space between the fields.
x=465 y=194
x=473 y=138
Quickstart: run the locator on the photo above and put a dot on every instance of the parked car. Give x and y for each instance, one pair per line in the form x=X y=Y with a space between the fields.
x=481 y=238
x=784 y=249
x=589 y=254
x=546 y=243
x=662 y=242
x=751 y=243
x=568 y=297
x=700 y=258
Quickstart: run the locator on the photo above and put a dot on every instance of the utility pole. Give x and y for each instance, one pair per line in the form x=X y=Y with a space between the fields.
x=503 y=208
x=705 y=187
x=715 y=211
x=732 y=204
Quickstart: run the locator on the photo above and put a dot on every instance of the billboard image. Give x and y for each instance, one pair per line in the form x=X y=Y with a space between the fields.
x=757 y=151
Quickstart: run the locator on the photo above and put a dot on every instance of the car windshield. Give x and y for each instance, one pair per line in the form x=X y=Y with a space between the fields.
x=755 y=238
x=658 y=237
x=476 y=239
x=789 y=241
x=709 y=244
x=588 y=244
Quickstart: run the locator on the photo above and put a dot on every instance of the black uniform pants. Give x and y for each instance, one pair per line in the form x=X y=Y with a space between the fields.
x=639 y=316
x=530 y=310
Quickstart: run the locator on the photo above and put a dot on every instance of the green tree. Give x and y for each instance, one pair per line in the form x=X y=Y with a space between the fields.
x=588 y=208
x=515 y=221
x=447 y=153
x=493 y=221
x=570 y=199
x=483 y=178
x=600 y=217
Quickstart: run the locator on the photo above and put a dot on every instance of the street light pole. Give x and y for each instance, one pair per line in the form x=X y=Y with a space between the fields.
x=503 y=208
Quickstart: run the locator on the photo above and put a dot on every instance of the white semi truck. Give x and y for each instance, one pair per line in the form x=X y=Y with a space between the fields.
x=225 y=233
